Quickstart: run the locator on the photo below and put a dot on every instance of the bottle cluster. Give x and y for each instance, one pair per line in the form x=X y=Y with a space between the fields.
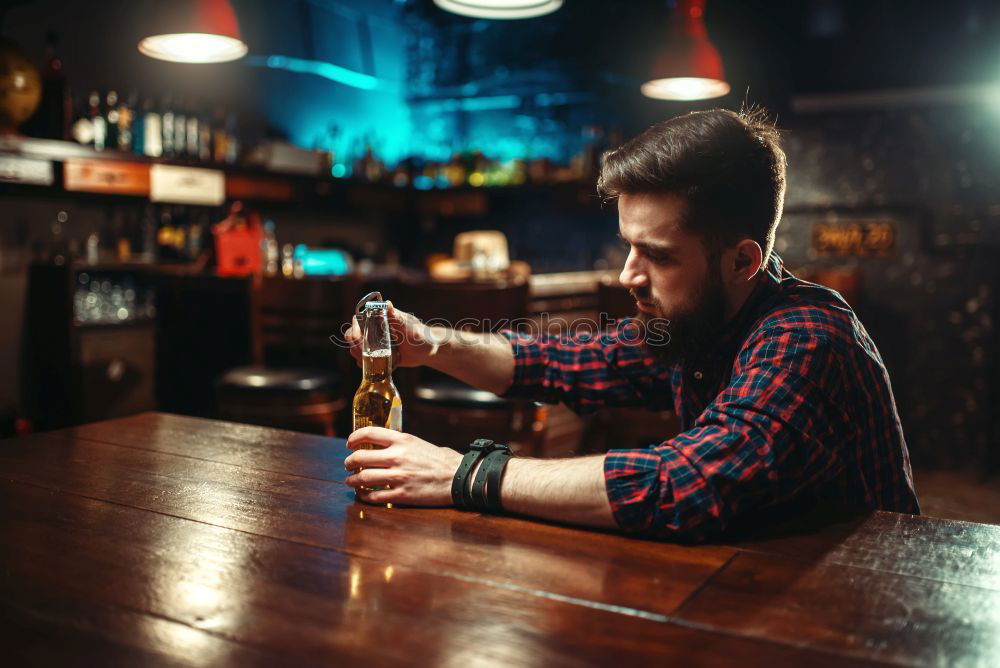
x=173 y=128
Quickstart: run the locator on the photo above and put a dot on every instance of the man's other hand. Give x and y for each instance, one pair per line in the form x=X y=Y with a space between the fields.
x=417 y=473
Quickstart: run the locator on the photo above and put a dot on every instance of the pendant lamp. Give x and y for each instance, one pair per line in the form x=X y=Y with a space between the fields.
x=500 y=9
x=193 y=31
x=689 y=67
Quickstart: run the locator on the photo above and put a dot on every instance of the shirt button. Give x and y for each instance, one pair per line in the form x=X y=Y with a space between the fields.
x=698 y=375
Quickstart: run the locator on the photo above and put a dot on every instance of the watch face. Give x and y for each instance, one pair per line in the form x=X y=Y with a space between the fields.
x=481 y=444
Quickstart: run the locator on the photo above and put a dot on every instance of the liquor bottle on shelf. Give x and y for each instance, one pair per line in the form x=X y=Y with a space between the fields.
x=370 y=167
x=147 y=233
x=179 y=242
x=192 y=134
x=232 y=140
x=219 y=137
x=138 y=127
x=82 y=131
x=196 y=236
x=126 y=121
x=167 y=123
x=165 y=236
x=180 y=129
x=93 y=249
x=204 y=139
x=98 y=123
x=152 y=131
x=123 y=239
x=111 y=120
x=270 y=250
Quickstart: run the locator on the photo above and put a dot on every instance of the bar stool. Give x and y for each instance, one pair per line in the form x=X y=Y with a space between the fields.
x=300 y=379
x=446 y=411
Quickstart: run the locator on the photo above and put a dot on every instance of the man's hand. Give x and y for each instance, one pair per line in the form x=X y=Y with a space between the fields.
x=417 y=472
x=412 y=341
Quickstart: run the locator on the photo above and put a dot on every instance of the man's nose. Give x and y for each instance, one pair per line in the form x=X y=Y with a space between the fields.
x=632 y=275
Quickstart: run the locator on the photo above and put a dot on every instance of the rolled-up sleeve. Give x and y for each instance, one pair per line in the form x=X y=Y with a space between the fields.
x=774 y=430
x=588 y=372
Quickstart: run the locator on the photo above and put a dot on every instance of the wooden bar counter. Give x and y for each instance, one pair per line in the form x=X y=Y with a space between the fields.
x=159 y=539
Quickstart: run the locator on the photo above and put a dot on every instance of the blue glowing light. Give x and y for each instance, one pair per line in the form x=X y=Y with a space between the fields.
x=486 y=103
x=370 y=104
x=491 y=103
x=319 y=68
x=323 y=261
x=422 y=182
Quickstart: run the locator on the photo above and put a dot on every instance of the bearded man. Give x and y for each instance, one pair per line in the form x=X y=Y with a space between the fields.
x=783 y=399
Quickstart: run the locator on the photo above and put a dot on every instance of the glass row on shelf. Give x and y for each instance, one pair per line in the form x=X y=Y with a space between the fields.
x=102 y=299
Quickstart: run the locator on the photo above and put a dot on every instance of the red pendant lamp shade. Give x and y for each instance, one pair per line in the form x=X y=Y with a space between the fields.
x=194 y=31
x=689 y=67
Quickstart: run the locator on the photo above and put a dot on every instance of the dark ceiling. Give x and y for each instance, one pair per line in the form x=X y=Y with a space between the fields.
x=775 y=47
x=773 y=50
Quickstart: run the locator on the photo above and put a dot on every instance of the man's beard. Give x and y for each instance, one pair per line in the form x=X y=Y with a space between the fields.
x=673 y=337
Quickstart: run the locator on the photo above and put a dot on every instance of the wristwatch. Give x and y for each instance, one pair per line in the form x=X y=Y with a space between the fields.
x=486 y=486
x=478 y=449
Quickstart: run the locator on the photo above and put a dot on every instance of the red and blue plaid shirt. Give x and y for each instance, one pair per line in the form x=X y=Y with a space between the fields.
x=790 y=408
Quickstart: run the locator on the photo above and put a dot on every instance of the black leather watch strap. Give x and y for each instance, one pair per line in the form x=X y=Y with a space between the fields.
x=494 y=474
x=459 y=484
x=478 y=485
x=482 y=491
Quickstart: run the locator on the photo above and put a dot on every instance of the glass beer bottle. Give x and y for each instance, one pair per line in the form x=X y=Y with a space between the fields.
x=377 y=402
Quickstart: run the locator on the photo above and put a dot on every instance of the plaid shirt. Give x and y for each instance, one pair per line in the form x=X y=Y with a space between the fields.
x=791 y=408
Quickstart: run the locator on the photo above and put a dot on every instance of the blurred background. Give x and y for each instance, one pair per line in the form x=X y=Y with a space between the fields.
x=185 y=236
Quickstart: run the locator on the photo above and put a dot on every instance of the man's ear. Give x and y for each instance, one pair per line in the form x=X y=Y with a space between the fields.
x=747 y=260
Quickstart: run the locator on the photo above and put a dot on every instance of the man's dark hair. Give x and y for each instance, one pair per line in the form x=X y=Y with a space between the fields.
x=728 y=168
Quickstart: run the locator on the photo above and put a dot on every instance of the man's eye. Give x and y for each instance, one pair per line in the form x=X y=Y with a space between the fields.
x=658 y=259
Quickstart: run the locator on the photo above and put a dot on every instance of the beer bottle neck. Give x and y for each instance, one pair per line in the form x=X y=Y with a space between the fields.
x=376 y=366
x=376 y=331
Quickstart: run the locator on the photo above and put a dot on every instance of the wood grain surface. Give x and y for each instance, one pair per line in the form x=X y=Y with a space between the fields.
x=166 y=540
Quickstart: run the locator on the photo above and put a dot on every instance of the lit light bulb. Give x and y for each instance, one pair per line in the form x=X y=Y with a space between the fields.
x=684 y=88
x=193 y=47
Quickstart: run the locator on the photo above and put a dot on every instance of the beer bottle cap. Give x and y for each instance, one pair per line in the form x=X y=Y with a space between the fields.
x=367 y=302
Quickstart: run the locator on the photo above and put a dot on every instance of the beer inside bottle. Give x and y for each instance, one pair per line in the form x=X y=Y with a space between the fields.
x=377 y=402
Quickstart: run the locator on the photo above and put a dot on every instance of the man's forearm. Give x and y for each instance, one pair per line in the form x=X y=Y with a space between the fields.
x=565 y=490
x=481 y=360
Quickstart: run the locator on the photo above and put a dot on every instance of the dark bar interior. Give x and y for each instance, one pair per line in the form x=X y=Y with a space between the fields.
x=197 y=197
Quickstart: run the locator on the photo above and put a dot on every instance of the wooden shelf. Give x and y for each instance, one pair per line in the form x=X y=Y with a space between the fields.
x=79 y=171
